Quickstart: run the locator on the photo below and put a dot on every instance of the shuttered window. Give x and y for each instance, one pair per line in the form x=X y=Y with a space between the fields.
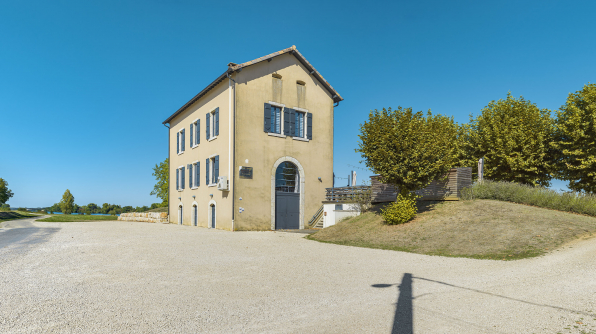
x=299 y=124
x=190 y=175
x=178 y=179
x=198 y=131
x=216 y=122
x=309 y=126
x=197 y=169
x=182 y=177
x=208 y=126
x=192 y=142
x=177 y=142
x=207 y=172
x=275 y=120
x=182 y=143
x=215 y=169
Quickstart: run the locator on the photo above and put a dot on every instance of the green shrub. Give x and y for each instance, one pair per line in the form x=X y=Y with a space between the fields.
x=401 y=211
x=581 y=203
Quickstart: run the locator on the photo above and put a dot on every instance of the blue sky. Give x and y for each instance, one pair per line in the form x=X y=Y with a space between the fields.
x=85 y=85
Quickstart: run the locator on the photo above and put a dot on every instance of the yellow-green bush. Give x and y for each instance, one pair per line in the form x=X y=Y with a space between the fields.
x=402 y=211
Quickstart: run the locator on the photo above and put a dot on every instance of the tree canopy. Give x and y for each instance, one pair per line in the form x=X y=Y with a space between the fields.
x=576 y=140
x=5 y=193
x=161 y=172
x=514 y=136
x=407 y=149
x=67 y=203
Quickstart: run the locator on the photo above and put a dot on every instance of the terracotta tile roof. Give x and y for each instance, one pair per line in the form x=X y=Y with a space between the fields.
x=233 y=67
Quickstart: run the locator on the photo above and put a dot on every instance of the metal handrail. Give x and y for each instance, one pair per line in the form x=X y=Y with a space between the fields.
x=316 y=216
x=341 y=194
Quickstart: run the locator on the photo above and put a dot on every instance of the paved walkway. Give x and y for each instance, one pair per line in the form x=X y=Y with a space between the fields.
x=151 y=278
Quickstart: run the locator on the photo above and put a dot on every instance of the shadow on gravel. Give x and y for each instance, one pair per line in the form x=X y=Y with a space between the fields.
x=403 y=320
x=22 y=238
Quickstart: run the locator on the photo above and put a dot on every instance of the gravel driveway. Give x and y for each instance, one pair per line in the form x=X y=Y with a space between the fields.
x=151 y=278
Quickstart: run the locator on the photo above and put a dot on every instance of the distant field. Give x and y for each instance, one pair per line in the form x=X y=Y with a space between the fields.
x=482 y=229
x=76 y=218
x=12 y=215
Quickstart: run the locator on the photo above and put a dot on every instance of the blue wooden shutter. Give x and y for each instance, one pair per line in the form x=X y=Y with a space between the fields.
x=198 y=172
x=207 y=171
x=286 y=121
x=177 y=179
x=182 y=171
x=267 y=117
x=183 y=141
x=189 y=175
x=178 y=142
x=208 y=127
x=216 y=168
x=216 y=130
x=293 y=122
x=309 y=126
x=192 y=142
x=198 y=136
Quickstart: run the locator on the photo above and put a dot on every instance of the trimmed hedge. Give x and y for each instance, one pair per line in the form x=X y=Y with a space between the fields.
x=581 y=203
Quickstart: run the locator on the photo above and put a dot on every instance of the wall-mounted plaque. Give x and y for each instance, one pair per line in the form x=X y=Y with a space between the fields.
x=246 y=172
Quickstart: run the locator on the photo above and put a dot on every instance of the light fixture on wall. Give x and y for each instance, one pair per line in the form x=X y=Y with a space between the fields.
x=193 y=196
x=320 y=180
x=211 y=195
x=179 y=198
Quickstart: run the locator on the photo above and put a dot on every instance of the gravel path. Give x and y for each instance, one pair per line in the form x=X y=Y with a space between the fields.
x=110 y=277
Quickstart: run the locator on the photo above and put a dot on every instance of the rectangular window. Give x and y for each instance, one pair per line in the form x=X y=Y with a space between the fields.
x=275 y=119
x=212 y=125
x=299 y=124
x=180 y=141
x=195 y=137
x=213 y=169
x=180 y=178
x=196 y=167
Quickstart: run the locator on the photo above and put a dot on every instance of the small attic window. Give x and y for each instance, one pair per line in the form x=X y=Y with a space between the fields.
x=277 y=84
x=301 y=91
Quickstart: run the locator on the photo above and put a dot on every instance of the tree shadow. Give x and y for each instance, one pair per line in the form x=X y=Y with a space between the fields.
x=403 y=319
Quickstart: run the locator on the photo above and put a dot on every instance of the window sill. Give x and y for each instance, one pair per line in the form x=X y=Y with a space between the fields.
x=195 y=146
x=212 y=138
x=301 y=139
x=181 y=153
x=273 y=134
x=212 y=185
x=180 y=190
x=194 y=188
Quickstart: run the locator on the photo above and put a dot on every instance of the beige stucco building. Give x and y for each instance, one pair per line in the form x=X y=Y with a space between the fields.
x=254 y=149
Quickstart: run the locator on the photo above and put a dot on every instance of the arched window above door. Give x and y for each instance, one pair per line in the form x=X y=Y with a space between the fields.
x=287 y=178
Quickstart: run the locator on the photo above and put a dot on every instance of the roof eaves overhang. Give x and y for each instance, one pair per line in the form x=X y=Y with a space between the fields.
x=198 y=96
x=238 y=67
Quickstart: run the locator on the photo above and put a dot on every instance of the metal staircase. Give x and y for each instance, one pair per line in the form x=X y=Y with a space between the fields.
x=317 y=219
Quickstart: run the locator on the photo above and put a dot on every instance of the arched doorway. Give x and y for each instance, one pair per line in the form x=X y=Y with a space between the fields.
x=195 y=214
x=212 y=215
x=180 y=214
x=287 y=196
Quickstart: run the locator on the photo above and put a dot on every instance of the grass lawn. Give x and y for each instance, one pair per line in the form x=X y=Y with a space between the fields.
x=76 y=218
x=12 y=215
x=482 y=229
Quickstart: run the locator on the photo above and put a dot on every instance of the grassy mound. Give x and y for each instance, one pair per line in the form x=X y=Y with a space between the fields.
x=482 y=229
x=75 y=218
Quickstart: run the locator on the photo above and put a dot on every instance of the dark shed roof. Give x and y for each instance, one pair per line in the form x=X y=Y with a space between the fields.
x=232 y=67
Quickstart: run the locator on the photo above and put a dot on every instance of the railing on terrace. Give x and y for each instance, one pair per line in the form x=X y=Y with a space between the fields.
x=346 y=194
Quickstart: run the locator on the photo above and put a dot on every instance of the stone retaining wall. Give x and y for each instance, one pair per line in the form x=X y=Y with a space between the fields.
x=149 y=217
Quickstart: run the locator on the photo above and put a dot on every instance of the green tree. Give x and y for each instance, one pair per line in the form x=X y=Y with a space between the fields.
x=576 y=140
x=67 y=203
x=514 y=136
x=5 y=193
x=408 y=149
x=4 y=207
x=161 y=172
